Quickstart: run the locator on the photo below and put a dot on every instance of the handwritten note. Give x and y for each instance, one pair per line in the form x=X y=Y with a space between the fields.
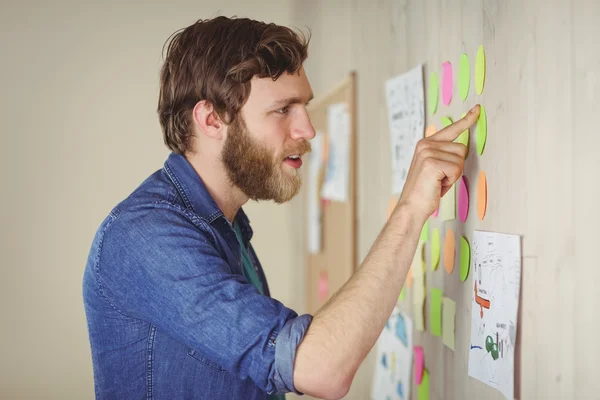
x=496 y=286
x=406 y=118
x=335 y=187
x=391 y=379
x=314 y=214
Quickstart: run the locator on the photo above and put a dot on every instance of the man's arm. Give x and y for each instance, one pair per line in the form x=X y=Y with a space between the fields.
x=345 y=329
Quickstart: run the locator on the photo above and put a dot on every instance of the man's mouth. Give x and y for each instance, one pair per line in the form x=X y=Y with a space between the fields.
x=293 y=161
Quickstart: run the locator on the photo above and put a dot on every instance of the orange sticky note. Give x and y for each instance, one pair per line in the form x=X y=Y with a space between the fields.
x=409 y=278
x=392 y=205
x=430 y=130
x=449 y=251
x=481 y=195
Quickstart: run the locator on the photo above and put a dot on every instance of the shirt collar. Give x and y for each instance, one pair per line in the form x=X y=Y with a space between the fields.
x=196 y=197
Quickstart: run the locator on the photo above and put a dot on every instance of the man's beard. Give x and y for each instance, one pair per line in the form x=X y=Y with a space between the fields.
x=255 y=170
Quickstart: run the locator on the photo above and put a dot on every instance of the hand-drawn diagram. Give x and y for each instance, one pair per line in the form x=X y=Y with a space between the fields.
x=394 y=359
x=496 y=284
x=406 y=118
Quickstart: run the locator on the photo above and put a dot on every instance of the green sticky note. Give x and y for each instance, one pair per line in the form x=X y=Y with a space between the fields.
x=464 y=136
x=465 y=258
x=425 y=232
x=481 y=127
x=423 y=388
x=435 y=249
x=434 y=90
x=435 y=312
x=480 y=70
x=446 y=121
x=402 y=294
x=448 y=318
x=464 y=76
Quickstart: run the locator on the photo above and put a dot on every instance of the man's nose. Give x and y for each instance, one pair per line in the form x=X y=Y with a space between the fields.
x=302 y=128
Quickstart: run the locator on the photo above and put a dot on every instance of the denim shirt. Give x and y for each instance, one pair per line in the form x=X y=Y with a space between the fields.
x=169 y=311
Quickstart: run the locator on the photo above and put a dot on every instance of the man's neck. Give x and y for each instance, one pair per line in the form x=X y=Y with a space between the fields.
x=229 y=198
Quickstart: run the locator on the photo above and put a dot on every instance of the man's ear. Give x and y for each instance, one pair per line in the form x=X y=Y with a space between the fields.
x=207 y=120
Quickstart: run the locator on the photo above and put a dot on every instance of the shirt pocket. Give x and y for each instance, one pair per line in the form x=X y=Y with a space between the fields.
x=202 y=359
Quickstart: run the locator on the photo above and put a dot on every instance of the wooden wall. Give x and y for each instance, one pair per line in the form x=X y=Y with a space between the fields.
x=541 y=159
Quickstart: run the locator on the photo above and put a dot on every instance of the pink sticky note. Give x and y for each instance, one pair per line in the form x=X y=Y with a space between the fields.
x=446 y=83
x=463 y=199
x=419 y=364
x=436 y=212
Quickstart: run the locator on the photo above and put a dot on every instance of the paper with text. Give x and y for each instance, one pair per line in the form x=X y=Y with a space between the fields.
x=393 y=368
x=496 y=277
x=337 y=177
x=406 y=119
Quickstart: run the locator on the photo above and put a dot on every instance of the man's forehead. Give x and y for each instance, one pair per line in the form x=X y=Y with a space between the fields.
x=288 y=85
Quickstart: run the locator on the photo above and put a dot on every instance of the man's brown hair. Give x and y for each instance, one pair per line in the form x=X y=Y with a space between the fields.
x=214 y=60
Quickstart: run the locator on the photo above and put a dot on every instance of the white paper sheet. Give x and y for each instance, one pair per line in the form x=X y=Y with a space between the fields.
x=335 y=187
x=314 y=201
x=406 y=119
x=393 y=368
x=496 y=272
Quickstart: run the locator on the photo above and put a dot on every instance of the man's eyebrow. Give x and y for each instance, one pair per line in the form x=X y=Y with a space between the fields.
x=291 y=100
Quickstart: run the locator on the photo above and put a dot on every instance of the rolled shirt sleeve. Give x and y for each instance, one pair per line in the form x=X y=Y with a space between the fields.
x=161 y=265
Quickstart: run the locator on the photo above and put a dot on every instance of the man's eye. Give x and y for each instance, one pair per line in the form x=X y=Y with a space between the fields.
x=283 y=110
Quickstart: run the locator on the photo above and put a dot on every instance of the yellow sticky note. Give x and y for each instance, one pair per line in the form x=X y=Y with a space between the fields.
x=418 y=266
x=419 y=302
x=423 y=388
x=480 y=70
x=435 y=249
x=433 y=93
x=418 y=315
x=465 y=258
x=435 y=312
x=448 y=205
x=464 y=76
x=425 y=232
x=448 y=318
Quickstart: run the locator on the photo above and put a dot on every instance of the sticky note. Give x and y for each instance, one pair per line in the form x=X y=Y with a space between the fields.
x=391 y=207
x=463 y=137
x=419 y=364
x=425 y=232
x=465 y=258
x=481 y=195
x=446 y=121
x=436 y=212
x=480 y=70
x=419 y=302
x=448 y=320
x=448 y=204
x=464 y=76
x=430 y=130
x=418 y=265
x=435 y=312
x=434 y=89
x=402 y=294
x=409 y=278
x=446 y=83
x=423 y=389
x=481 y=131
x=463 y=198
x=323 y=286
x=418 y=315
x=449 y=251
x=435 y=249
